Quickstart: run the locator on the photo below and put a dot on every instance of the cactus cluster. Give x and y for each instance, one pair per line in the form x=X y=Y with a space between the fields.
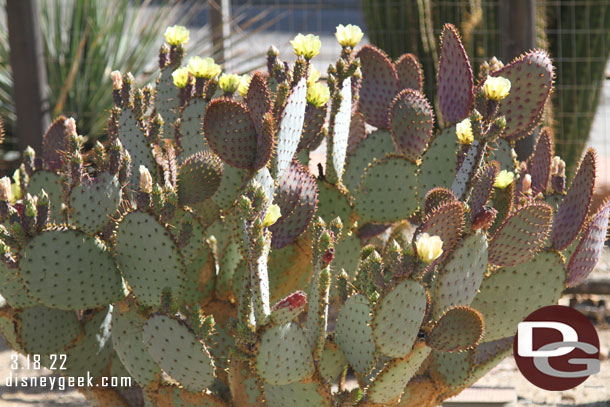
x=197 y=252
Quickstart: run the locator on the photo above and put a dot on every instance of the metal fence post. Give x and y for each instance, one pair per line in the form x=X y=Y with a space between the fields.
x=29 y=74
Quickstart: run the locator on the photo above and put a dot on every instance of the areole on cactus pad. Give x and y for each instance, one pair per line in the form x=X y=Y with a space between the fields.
x=197 y=253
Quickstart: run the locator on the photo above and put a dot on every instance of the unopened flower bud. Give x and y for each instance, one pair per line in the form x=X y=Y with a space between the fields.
x=146 y=183
x=117 y=80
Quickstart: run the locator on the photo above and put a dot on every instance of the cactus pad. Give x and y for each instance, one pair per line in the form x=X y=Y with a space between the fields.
x=357 y=131
x=13 y=288
x=332 y=203
x=134 y=141
x=410 y=75
x=179 y=352
x=446 y=222
x=502 y=152
x=388 y=191
x=342 y=128
x=460 y=277
x=575 y=206
x=308 y=394
x=589 y=249
x=438 y=197
x=455 y=84
x=521 y=235
x=379 y=86
x=192 y=140
x=438 y=163
x=94 y=201
x=199 y=178
x=43 y=330
x=509 y=294
x=67 y=269
x=531 y=75
x=375 y=146
x=166 y=100
x=411 y=122
x=52 y=185
x=354 y=334
x=397 y=318
x=55 y=143
x=540 y=165
x=460 y=328
x=148 y=258
x=291 y=127
x=258 y=101
x=332 y=363
x=487 y=355
x=284 y=356
x=235 y=144
x=297 y=197
x=482 y=185
x=450 y=369
x=315 y=118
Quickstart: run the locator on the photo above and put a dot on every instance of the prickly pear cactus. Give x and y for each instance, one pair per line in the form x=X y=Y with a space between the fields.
x=197 y=254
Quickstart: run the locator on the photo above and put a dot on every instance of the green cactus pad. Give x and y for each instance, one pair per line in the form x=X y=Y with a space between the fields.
x=178 y=352
x=411 y=123
x=192 y=140
x=575 y=206
x=374 y=147
x=438 y=163
x=530 y=74
x=590 y=247
x=290 y=129
x=446 y=222
x=14 y=290
x=357 y=131
x=398 y=317
x=455 y=83
x=230 y=132
x=460 y=328
x=290 y=268
x=67 y=269
x=450 y=369
x=436 y=197
x=332 y=203
x=540 y=162
x=332 y=363
x=54 y=143
x=230 y=260
x=7 y=329
x=258 y=101
x=94 y=201
x=460 y=277
x=342 y=128
x=246 y=387
x=510 y=294
x=309 y=394
x=482 y=186
x=410 y=74
x=127 y=340
x=388 y=191
x=379 y=86
x=265 y=142
x=297 y=213
x=347 y=255
x=167 y=102
x=487 y=355
x=199 y=178
x=502 y=152
x=231 y=181
x=134 y=141
x=313 y=125
x=52 y=185
x=421 y=391
x=389 y=384
x=284 y=356
x=43 y=330
x=148 y=258
x=521 y=235
x=354 y=334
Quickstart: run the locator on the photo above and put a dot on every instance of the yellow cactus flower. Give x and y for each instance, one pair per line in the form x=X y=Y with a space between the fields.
x=349 y=35
x=429 y=248
x=307 y=46
x=176 y=35
x=318 y=94
x=181 y=77
x=496 y=88
x=313 y=76
x=244 y=85
x=273 y=214
x=229 y=82
x=203 y=67
x=504 y=179
x=463 y=130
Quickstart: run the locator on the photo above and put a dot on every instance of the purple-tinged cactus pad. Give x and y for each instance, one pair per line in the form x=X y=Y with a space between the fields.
x=265 y=142
x=258 y=101
x=290 y=128
x=297 y=197
x=436 y=197
x=573 y=210
x=540 y=164
x=531 y=79
x=411 y=123
x=357 y=131
x=410 y=74
x=521 y=235
x=54 y=143
x=482 y=185
x=455 y=84
x=589 y=249
x=230 y=132
x=315 y=118
x=458 y=329
x=379 y=86
x=446 y=222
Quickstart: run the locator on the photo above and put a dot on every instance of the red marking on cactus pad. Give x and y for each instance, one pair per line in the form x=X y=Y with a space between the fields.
x=297 y=299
